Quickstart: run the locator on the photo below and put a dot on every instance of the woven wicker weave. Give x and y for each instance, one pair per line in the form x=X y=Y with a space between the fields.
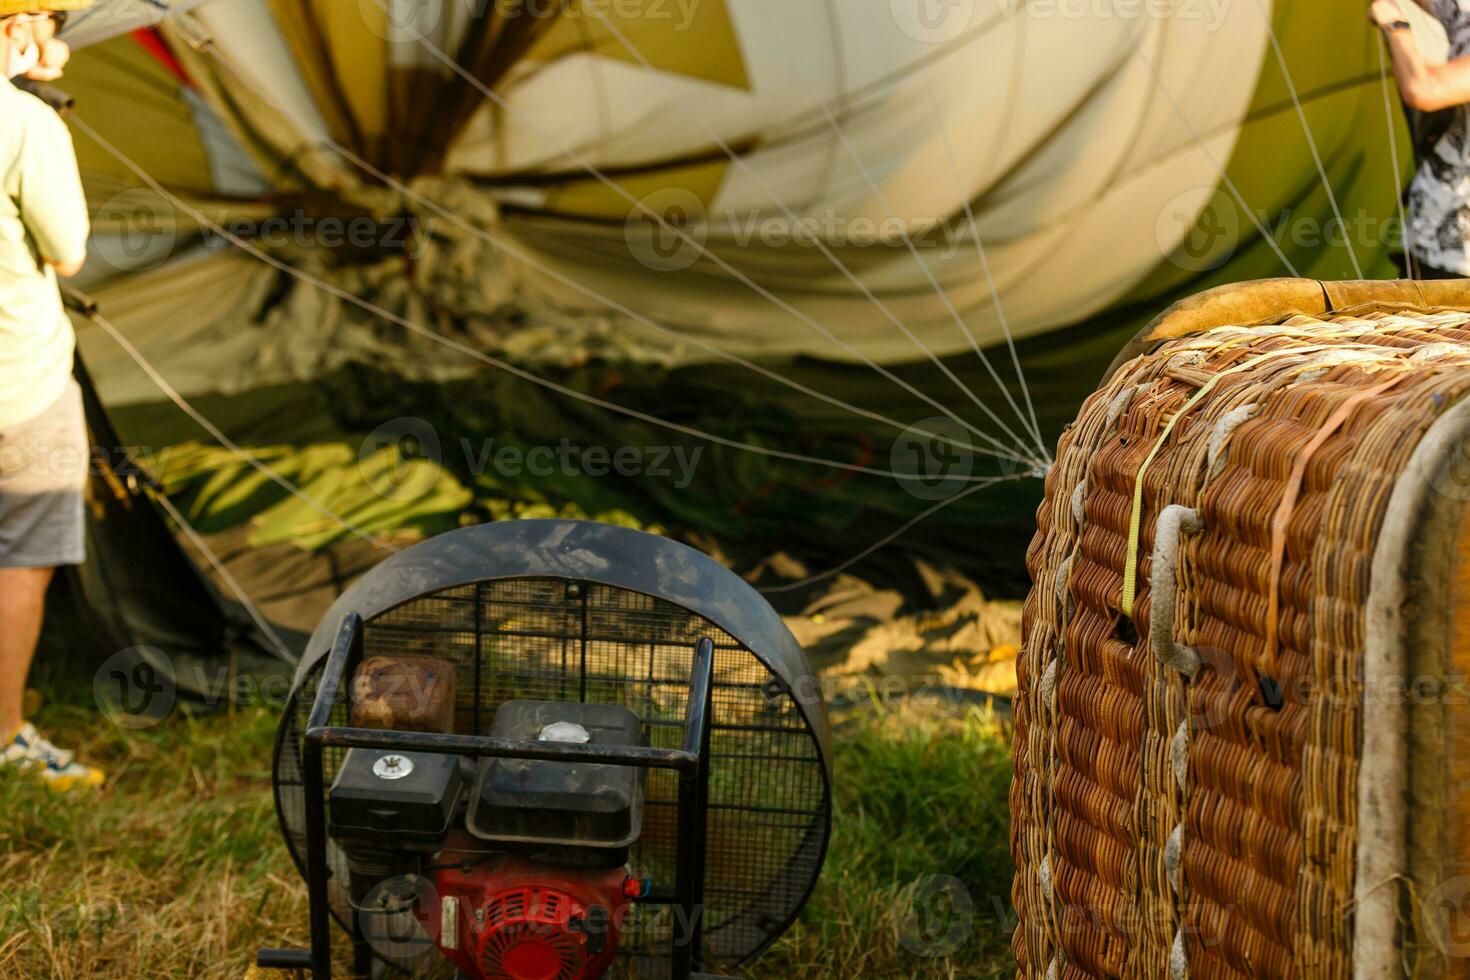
x=1187 y=790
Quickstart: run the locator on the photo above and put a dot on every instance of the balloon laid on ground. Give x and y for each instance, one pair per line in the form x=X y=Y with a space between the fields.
x=811 y=188
x=1070 y=140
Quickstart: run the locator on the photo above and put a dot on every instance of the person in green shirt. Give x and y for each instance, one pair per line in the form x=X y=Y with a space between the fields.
x=44 y=448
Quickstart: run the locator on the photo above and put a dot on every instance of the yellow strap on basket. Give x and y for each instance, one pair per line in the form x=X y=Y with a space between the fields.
x=1135 y=521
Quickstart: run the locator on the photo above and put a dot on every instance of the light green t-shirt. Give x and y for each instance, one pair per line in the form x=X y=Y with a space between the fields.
x=43 y=213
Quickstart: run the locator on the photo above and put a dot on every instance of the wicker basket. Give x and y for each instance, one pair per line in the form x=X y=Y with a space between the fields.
x=1243 y=726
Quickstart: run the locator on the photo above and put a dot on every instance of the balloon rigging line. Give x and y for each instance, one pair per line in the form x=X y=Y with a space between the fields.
x=836 y=126
x=870 y=90
x=258 y=616
x=826 y=252
x=250 y=606
x=1069 y=221
x=596 y=172
x=889 y=539
x=1215 y=162
x=1190 y=143
x=1393 y=149
x=433 y=336
x=230 y=581
x=810 y=119
x=229 y=444
x=642 y=207
x=1301 y=113
x=984 y=257
x=521 y=255
x=235 y=449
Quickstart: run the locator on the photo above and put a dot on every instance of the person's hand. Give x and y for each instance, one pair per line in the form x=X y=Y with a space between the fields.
x=55 y=53
x=1385 y=12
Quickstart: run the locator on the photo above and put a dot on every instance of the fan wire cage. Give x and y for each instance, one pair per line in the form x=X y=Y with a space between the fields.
x=560 y=639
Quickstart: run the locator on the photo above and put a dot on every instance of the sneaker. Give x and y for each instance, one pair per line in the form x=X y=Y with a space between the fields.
x=28 y=751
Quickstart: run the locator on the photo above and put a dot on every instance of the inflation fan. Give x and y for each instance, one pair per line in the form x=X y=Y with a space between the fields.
x=550 y=750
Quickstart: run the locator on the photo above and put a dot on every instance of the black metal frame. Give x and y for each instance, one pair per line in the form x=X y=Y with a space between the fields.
x=691 y=761
x=583 y=553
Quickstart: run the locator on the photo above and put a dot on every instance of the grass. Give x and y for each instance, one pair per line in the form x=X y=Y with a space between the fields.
x=176 y=870
x=917 y=881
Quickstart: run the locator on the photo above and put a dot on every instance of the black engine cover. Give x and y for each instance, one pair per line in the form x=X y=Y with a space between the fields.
x=560 y=804
x=409 y=797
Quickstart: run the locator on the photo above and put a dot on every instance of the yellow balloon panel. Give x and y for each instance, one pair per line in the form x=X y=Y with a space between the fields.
x=695 y=38
x=137 y=103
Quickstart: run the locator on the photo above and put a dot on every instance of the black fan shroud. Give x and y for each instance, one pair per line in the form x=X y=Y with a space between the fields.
x=579 y=611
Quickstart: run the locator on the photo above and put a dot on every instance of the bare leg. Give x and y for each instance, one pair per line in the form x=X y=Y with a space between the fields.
x=22 y=606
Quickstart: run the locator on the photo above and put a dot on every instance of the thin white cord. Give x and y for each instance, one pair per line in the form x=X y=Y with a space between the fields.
x=1301 y=114
x=836 y=126
x=219 y=436
x=528 y=259
x=593 y=170
x=980 y=485
x=468 y=351
x=826 y=252
x=1138 y=52
x=1393 y=148
x=224 y=573
x=984 y=256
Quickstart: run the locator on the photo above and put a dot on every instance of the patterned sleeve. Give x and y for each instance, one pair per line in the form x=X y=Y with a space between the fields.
x=1445 y=11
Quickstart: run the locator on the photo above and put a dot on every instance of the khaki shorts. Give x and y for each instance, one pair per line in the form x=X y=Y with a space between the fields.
x=43 y=476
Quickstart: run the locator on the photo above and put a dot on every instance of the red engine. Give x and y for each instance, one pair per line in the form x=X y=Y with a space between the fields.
x=512 y=919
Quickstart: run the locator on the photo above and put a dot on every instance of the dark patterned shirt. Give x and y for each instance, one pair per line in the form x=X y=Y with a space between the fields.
x=1439 y=197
